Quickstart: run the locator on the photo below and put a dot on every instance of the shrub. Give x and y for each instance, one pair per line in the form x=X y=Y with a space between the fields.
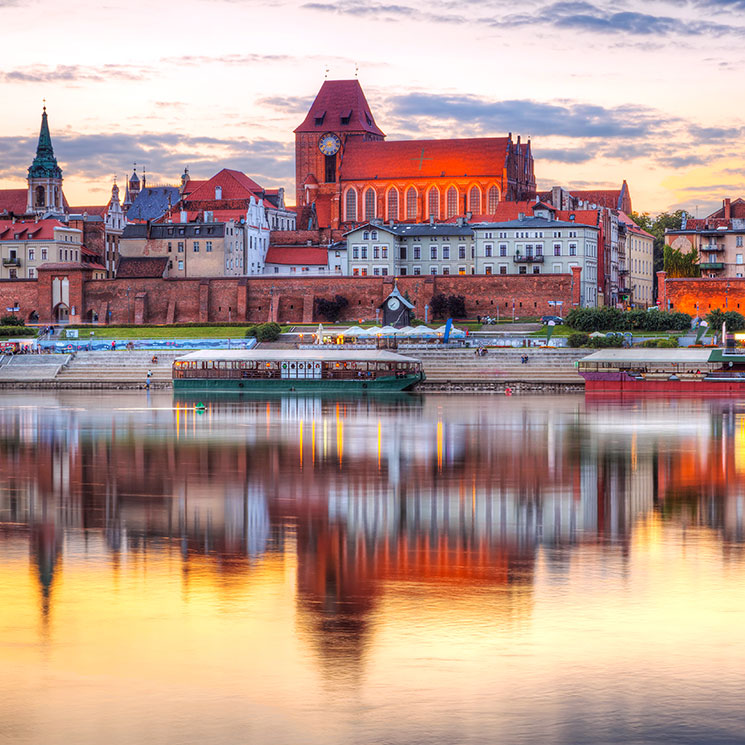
x=12 y=320
x=250 y=332
x=660 y=344
x=8 y=331
x=268 y=332
x=613 y=319
x=605 y=342
x=735 y=321
x=578 y=340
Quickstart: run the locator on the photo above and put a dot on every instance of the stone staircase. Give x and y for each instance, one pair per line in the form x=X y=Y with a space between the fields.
x=462 y=366
x=125 y=369
x=30 y=368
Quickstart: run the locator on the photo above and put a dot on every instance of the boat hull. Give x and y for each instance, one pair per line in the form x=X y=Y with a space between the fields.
x=298 y=385
x=626 y=384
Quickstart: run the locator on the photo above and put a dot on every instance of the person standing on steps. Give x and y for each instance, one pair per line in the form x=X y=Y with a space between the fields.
x=147 y=379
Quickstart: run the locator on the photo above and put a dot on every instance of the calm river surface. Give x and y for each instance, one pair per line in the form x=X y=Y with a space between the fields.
x=439 y=569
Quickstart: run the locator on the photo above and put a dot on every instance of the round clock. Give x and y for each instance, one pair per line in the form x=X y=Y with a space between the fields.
x=394 y=304
x=329 y=144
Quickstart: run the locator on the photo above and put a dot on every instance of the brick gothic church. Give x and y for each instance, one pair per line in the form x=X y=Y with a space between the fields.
x=346 y=171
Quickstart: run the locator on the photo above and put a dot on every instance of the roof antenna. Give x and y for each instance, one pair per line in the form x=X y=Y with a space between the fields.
x=44 y=102
x=326 y=73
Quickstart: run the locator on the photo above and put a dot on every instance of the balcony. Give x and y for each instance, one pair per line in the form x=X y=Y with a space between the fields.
x=12 y=262
x=622 y=270
x=707 y=266
x=712 y=246
x=529 y=259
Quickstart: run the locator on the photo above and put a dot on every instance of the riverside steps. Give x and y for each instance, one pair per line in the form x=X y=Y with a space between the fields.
x=125 y=369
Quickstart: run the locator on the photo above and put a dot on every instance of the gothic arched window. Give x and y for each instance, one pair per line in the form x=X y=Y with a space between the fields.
x=433 y=202
x=411 y=204
x=370 y=204
x=474 y=200
x=492 y=200
x=393 y=204
x=350 y=206
x=40 y=200
x=452 y=202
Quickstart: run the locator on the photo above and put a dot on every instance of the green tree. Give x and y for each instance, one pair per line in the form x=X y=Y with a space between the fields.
x=679 y=264
x=656 y=226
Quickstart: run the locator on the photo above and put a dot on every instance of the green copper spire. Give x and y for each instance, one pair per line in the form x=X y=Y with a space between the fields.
x=45 y=164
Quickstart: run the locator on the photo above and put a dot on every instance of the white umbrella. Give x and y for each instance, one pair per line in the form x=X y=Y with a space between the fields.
x=424 y=331
x=406 y=330
x=372 y=331
x=319 y=334
x=353 y=331
x=389 y=331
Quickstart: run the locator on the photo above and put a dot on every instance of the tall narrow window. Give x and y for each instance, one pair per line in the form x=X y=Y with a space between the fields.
x=474 y=200
x=370 y=204
x=393 y=204
x=351 y=206
x=411 y=204
x=452 y=202
x=433 y=202
x=330 y=170
x=492 y=200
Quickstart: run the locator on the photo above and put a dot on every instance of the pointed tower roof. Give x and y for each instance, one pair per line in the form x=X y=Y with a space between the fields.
x=340 y=106
x=134 y=178
x=45 y=164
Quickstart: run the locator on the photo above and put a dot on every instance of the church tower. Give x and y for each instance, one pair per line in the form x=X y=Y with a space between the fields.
x=340 y=112
x=45 y=176
x=134 y=185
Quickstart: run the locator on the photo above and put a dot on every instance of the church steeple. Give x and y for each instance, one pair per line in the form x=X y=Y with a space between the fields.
x=45 y=175
x=45 y=164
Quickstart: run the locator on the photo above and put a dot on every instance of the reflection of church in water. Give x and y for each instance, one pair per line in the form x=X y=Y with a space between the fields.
x=368 y=496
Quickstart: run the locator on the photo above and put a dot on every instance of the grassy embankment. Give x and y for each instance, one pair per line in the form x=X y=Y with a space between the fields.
x=164 y=332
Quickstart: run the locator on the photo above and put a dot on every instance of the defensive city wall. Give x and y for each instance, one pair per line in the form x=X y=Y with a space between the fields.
x=699 y=296
x=259 y=299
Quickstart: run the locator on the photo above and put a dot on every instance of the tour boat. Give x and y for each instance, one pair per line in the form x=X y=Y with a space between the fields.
x=277 y=370
x=691 y=370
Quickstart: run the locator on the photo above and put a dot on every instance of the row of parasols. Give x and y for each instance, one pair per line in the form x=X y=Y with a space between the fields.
x=389 y=332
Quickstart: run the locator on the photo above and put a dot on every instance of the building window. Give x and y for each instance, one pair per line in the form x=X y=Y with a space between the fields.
x=461 y=270
x=411 y=209
x=539 y=250
x=536 y=269
x=503 y=249
x=31 y=273
x=433 y=270
x=350 y=208
x=355 y=272
x=572 y=249
x=557 y=249
x=402 y=253
x=393 y=204
x=502 y=269
x=181 y=266
x=492 y=200
x=196 y=246
x=452 y=202
x=487 y=270
x=474 y=200
x=433 y=252
x=43 y=254
x=417 y=252
x=487 y=250
x=446 y=270
x=366 y=235
x=374 y=235
x=376 y=252
x=208 y=246
x=738 y=241
x=276 y=270
x=355 y=252
x=403 y=271
x=384 y=271
x=461 y=252
x=433 y=202
x=384 y=252
x=376 y=271
x=446 y=252
x=738 y=258
x=370 y=199
x=31 y=254
x=523 y=270
x=417 y=271
x=363 y=252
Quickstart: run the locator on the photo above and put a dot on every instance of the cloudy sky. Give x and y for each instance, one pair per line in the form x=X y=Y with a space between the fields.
x=647 y=91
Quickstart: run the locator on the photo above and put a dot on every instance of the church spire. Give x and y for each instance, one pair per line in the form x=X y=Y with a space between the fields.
x=45 y=164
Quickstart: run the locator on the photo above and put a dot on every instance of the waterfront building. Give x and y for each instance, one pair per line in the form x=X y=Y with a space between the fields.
x=718 y=238
x=638 y=270
x=296 y=260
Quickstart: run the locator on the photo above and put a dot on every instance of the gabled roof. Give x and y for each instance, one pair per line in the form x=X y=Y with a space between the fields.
x=139 y=267
x=296 y=255
x=340 y=106
x=152 y=202
x=610 y=198
x=737 y=210
x=30 y=230
x=412 y=159
x=234 y=185
x=99 y=210
x=395 y=293
x=13 y=200
x=417 y=229
x=632 y=226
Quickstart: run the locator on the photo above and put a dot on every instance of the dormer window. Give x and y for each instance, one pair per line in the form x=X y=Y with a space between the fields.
x=369 y=121
x=319 y=118
x=345 y=118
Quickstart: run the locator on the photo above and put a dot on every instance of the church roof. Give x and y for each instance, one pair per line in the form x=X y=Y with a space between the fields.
x=45 y=164
x=340 y=106
x=13 y=200
x=152 y=202
x=412 y=159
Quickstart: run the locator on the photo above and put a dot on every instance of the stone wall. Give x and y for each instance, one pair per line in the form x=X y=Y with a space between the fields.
x=699 y=296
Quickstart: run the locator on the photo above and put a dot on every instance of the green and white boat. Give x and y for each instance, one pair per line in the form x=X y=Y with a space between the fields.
x=278 y=370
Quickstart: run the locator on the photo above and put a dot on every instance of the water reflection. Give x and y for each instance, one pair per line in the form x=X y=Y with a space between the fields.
x=370 y=507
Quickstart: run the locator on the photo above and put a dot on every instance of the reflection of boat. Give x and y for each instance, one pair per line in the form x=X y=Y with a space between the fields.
x=296 y=371
x=665 y=371
x=216 y=399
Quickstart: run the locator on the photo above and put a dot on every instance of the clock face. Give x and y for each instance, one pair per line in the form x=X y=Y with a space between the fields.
x=329 y=144
x=394 y=304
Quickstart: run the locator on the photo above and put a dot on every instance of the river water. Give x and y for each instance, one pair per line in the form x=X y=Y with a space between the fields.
x=439 y=569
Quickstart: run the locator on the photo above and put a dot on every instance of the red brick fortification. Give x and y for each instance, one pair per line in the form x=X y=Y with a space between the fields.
x=700 y=296
x=259 y=299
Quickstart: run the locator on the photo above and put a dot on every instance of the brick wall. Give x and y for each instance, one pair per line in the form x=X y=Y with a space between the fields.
x=699 y=296
x=259 y=299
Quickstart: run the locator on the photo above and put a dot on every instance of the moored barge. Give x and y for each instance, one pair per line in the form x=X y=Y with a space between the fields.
x=665 y=371
x=279 y=370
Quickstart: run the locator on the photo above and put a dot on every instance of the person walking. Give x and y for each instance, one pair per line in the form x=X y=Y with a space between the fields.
x=147 y=379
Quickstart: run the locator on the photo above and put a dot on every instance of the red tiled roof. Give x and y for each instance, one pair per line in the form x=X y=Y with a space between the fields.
x=412 y=159
x=289 y=255
x=631 y=225
x=737 y=210
x=95 y=210
x=602 y=197
x=193 y=185
x=29 y=230
x=13 y=200
x=340 y=106
x=139 y=267
x=234 y=185
x=194 y=215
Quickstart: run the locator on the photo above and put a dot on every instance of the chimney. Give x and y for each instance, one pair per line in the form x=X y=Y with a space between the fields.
x=727 y=209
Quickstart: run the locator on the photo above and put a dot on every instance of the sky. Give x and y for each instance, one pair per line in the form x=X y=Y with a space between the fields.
x=646 y=91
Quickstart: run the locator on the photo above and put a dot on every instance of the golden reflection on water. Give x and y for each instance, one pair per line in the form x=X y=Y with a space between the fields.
x=439 y=569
